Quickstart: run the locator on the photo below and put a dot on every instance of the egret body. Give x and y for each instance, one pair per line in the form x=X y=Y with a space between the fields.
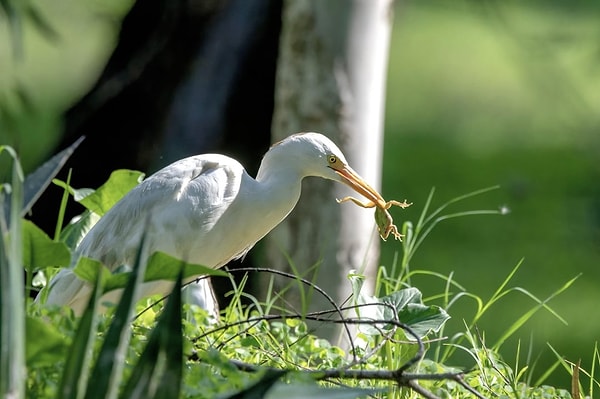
x=206 y=210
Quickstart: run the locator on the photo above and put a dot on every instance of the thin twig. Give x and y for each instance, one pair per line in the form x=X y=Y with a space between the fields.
x=400 y=375
x=412 y=384
x=308 y=283
x=401 y=378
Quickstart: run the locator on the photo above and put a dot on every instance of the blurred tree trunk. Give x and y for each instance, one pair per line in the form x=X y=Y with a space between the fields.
x=331 y=79
x=186 y=77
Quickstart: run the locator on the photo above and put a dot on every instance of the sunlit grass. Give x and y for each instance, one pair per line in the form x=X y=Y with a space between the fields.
x=103 y=355
x=549 y=190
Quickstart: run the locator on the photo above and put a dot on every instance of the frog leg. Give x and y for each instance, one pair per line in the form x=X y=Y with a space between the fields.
x=394 y=230
x=402 y=204
x=368 y=204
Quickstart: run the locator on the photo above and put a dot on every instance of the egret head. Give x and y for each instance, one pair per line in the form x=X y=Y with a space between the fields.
x=313 y=154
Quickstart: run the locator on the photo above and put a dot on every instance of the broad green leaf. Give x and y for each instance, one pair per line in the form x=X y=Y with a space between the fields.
x=41 y=251
x=80 y=193
x=87 y=269
x=423 y=319
x=159 y=371
x=163 y=267
x=118 y=184
x=407 y=303
x=401 y=299
x=43 y=344
x=76 y=230
x=101 y=200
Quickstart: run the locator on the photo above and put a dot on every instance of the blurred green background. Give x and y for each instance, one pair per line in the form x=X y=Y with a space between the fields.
x=46 y=67
x=479 y=94
x=485 y=93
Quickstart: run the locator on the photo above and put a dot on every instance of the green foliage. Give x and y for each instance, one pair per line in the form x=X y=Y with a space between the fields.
x=106 y=375
x=75 y=375
x=40 y=251
x=484 y=93
x=45 y=345
x=102 y=199
x=159 y=370
x=405 y=305
x=251 y=353
x=12 y=302
x=36 y=182
x=161 y=266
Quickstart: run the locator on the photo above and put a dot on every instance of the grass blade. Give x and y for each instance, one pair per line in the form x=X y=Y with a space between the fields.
x=159 y=371
x=36 y=182
x=527 y=315
x=427 y=223
x=75 y=375
x=12 y=306
x=107 y=373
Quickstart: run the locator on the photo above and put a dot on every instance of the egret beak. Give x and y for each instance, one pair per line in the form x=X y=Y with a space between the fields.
x=352 y=179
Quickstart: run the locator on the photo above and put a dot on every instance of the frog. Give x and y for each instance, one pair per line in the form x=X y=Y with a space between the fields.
x=383 y=219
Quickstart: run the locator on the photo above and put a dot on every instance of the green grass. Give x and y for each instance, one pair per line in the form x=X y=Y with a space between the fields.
x=257 y=347
x=551 y=225
x=502 y=94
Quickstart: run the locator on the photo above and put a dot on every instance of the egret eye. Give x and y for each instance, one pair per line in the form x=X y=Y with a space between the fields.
x=332 y=160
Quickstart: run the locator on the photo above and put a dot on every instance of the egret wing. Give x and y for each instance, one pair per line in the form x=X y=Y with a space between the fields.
x=174 y=211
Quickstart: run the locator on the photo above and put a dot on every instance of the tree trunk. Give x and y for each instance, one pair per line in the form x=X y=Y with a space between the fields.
x=331 y=79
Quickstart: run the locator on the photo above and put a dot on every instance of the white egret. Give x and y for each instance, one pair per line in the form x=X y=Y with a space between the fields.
x=207 y=210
